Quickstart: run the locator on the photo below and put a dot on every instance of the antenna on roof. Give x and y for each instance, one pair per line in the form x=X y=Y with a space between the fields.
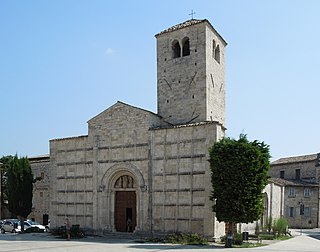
x=191 y=14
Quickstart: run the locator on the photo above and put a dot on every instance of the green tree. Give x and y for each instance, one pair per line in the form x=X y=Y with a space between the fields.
x=20 y=186
x=4 y=164
x=239 y=174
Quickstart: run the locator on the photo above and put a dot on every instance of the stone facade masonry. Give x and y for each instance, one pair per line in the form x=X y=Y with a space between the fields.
x=152 y=168
x=169 y=167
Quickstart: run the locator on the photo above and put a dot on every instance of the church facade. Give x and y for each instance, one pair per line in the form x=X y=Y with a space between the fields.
x=139 y=171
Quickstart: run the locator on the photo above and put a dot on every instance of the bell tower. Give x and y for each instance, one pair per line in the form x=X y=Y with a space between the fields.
x=191 y=73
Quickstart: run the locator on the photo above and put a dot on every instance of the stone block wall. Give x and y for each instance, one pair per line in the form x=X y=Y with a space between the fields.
x=72 y=186
x=182 y=180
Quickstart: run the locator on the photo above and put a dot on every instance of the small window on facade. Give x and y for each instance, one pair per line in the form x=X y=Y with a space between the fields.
x=176 y=49
x=41 y=194
x=292 y=192
x=185 y=47
x=291 y=212
x=282 y=174
x=217 y=53
x=213 y=48
x=297 y=174
x=42 y=175
x=306 y=192
x=307 y=211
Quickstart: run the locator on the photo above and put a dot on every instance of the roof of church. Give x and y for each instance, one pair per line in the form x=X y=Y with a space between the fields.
x=187 y=24
x=39 y=159
x=67 y=138
x=186 y=125
x=125 y=104
x=285 y=182
x=296 y=159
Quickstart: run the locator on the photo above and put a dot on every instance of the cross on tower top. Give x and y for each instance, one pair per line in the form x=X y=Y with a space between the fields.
x=191 y=14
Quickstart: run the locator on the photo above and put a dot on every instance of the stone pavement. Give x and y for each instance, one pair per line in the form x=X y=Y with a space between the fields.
x=307 y=241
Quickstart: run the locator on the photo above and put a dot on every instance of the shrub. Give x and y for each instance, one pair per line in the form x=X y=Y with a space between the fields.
x=280 y=226
x=266 y=236
x=190 y=239
x=237 y=239
x=75 y=232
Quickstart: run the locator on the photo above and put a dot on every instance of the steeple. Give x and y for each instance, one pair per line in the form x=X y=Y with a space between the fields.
x=191 y=73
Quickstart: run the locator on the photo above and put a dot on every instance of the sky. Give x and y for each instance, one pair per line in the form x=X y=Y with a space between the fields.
x=62 y=62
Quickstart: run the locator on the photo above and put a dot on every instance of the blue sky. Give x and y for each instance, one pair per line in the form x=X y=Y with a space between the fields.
x=64 y=61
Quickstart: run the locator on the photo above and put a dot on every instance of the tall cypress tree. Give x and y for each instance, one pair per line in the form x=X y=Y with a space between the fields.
x=20 y=186
x=239 y=175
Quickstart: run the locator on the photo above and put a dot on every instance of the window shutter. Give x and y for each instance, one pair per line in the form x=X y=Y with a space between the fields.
x=288 y=211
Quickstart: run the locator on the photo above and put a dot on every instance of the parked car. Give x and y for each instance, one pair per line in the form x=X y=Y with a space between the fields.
x=1 y=223
x=35 y=225
x=11 y=226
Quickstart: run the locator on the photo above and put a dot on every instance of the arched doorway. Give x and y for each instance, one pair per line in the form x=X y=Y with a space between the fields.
x=125 y=217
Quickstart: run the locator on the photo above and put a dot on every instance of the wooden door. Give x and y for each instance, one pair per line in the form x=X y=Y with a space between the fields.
x=125 y=211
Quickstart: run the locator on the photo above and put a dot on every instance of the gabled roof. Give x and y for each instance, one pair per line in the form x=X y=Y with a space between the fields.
x=285 y=182
x=119 y=103
x=296 y=159
x=190 y=23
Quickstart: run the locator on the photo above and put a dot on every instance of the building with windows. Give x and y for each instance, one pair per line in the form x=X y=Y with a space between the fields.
x=150 y=169
x=40 y=166
x=300 y=177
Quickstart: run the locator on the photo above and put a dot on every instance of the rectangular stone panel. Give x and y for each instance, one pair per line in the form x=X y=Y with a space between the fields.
x=158 y=166
x=184 y=198
x=199 y=181
x=158 y=197
x=197 y=212
x=158 y=183
x=185 y=149
x=171 y=166
x=171 y=198
x=184 y=212
x=169 y=225
x=198 y=197
x=183 y=226
x=171 y=181
x=184 y=182
x=170 y=212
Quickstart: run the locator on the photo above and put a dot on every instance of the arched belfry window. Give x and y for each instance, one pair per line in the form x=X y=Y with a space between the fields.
x=217 y=54
x=185 y=47
x=176 y=49
x=213 y=47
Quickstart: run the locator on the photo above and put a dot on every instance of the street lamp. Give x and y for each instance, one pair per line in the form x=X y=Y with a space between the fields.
x=1 y=190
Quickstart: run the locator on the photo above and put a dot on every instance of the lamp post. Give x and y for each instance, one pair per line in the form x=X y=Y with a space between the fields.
x=1 y=190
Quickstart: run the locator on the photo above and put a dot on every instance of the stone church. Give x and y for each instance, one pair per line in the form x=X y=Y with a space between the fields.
x=147 y=172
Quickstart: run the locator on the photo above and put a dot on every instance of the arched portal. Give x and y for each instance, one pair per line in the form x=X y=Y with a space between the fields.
x=122 y=194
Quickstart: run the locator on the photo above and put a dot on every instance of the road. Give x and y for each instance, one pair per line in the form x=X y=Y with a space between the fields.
x=307 y=241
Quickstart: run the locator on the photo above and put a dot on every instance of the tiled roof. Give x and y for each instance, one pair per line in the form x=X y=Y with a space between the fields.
x=182 y=25
x=186 y=125
x=285 y=182
x=40 y=158
x=296 y=159
x=67 y=138
x=190 y=23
